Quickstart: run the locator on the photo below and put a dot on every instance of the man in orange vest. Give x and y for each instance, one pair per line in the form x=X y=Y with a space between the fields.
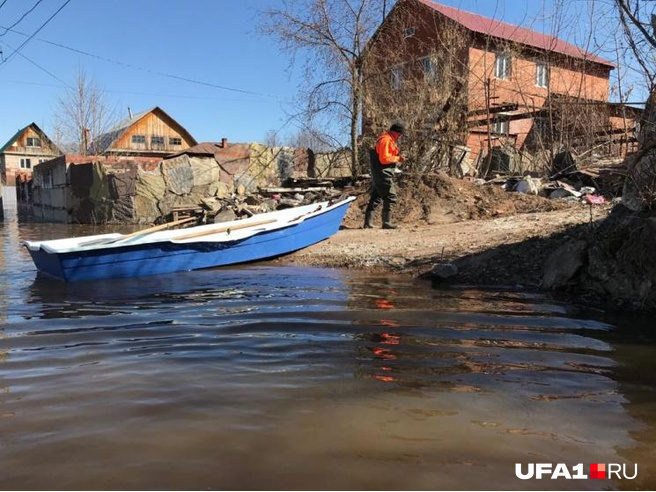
x=384 y=158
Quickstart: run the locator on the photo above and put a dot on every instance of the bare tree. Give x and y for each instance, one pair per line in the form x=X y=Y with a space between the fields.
x=417 y=74
x=83 y=113
x=330 y=36
x=271 y=139
x=638 y=21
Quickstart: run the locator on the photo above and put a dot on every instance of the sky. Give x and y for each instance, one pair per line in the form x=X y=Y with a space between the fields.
x=214 y=42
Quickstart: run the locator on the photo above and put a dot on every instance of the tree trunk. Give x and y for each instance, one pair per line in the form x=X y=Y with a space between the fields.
x=356 y=103
x=640 y=186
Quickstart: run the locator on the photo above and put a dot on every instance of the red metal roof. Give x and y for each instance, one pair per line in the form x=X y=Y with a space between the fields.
x=492 y=27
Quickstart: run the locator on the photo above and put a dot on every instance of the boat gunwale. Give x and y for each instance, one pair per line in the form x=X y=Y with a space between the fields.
x=223 y=237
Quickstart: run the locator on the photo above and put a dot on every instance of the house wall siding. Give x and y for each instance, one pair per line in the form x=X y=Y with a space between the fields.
x=10 y=163
x=152 y=124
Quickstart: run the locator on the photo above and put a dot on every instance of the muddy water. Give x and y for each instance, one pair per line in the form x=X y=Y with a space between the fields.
x=301 y=378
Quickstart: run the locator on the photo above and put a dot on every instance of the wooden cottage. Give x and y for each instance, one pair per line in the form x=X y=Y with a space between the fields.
x=152 y=133
x=28 y=147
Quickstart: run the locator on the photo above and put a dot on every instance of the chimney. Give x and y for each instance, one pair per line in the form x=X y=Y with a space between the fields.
x=129 y=112
x=224 y=143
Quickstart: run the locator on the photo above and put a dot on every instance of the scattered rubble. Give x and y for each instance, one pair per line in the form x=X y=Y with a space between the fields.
x=570 y=183
x=269 y=199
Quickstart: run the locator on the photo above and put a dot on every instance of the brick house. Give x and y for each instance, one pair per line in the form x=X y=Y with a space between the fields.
x=484 y=83
x=25 y=149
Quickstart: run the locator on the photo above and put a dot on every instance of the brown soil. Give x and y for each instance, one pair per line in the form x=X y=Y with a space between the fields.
x=440 y=199
x=507 y=250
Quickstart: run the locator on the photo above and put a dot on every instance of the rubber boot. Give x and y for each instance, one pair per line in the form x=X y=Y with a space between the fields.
x=368 y=218
x=387 y=212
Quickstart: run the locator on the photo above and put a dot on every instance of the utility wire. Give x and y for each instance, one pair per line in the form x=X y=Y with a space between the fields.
x=3 y=4
x=148 y=70
x=22 y=17
x=17 y=51
x=175 y=96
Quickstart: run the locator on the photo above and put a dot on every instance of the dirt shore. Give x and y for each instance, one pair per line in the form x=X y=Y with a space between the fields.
x=509 y=250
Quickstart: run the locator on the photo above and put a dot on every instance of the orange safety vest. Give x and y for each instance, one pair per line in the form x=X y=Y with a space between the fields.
x=387 y=149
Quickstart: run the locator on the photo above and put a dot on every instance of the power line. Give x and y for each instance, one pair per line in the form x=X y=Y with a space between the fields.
x=22 y=17
x=37 y=66
x=148 y=70
x=176 y=96
x=35 y=33
x=3 y=4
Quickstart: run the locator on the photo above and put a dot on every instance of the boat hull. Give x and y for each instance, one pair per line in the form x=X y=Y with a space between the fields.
x=167 y=257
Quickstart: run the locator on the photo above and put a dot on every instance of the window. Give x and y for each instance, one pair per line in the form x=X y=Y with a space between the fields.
x=541 y=75
x=397 y=78
x=430 y=69
x=409 y=32
x=26 y=163
x=33 y=142
x=138 y=139
x=156 y=140
x=502 y=66
x=175 y=141
x=500 y=127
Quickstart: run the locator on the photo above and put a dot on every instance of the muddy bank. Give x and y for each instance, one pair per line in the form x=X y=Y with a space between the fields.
x=497 y=251
x=440 y=199
x=613 y=265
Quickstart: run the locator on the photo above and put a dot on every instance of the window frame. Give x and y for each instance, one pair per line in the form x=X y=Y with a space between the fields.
x=502 y=71
x=160 y=140
x=138 y=139
x=33 y=140
x=429 y=67
x=542 y=69
x=501 y=126
x=175 y=141
x=396 y=78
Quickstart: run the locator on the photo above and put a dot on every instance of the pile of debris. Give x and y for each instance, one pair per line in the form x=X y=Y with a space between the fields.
x=595 y=182
x=294 y=192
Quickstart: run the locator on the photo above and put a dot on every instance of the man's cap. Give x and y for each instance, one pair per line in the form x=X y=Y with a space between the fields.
x=398 y=127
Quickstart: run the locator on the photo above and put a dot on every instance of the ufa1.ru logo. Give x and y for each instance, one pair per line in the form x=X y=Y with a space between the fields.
x=597 y=471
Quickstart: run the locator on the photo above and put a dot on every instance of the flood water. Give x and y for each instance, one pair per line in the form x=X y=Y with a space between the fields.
x=270 y=377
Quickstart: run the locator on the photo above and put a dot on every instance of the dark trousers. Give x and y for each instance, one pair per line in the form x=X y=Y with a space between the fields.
x=382 y=191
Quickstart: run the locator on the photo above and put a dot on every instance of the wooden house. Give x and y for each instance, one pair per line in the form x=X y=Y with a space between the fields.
x=151 y=133
x=28 y=147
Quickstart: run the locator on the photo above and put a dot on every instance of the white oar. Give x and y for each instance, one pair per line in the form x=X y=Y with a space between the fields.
x=227 y=229
x=150 y=230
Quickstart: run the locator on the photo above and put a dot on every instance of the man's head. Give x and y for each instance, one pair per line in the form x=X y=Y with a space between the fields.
x=397 y=129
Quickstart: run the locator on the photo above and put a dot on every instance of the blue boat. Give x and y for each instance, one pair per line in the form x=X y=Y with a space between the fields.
x=152 y=252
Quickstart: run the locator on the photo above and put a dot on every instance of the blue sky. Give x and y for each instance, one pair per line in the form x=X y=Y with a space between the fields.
x=214 y=41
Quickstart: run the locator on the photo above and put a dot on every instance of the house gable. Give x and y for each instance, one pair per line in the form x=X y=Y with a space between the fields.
x=30 y=140
x=149 y=132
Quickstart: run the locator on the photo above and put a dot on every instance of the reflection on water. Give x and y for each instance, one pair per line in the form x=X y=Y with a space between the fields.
x=286 y=377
